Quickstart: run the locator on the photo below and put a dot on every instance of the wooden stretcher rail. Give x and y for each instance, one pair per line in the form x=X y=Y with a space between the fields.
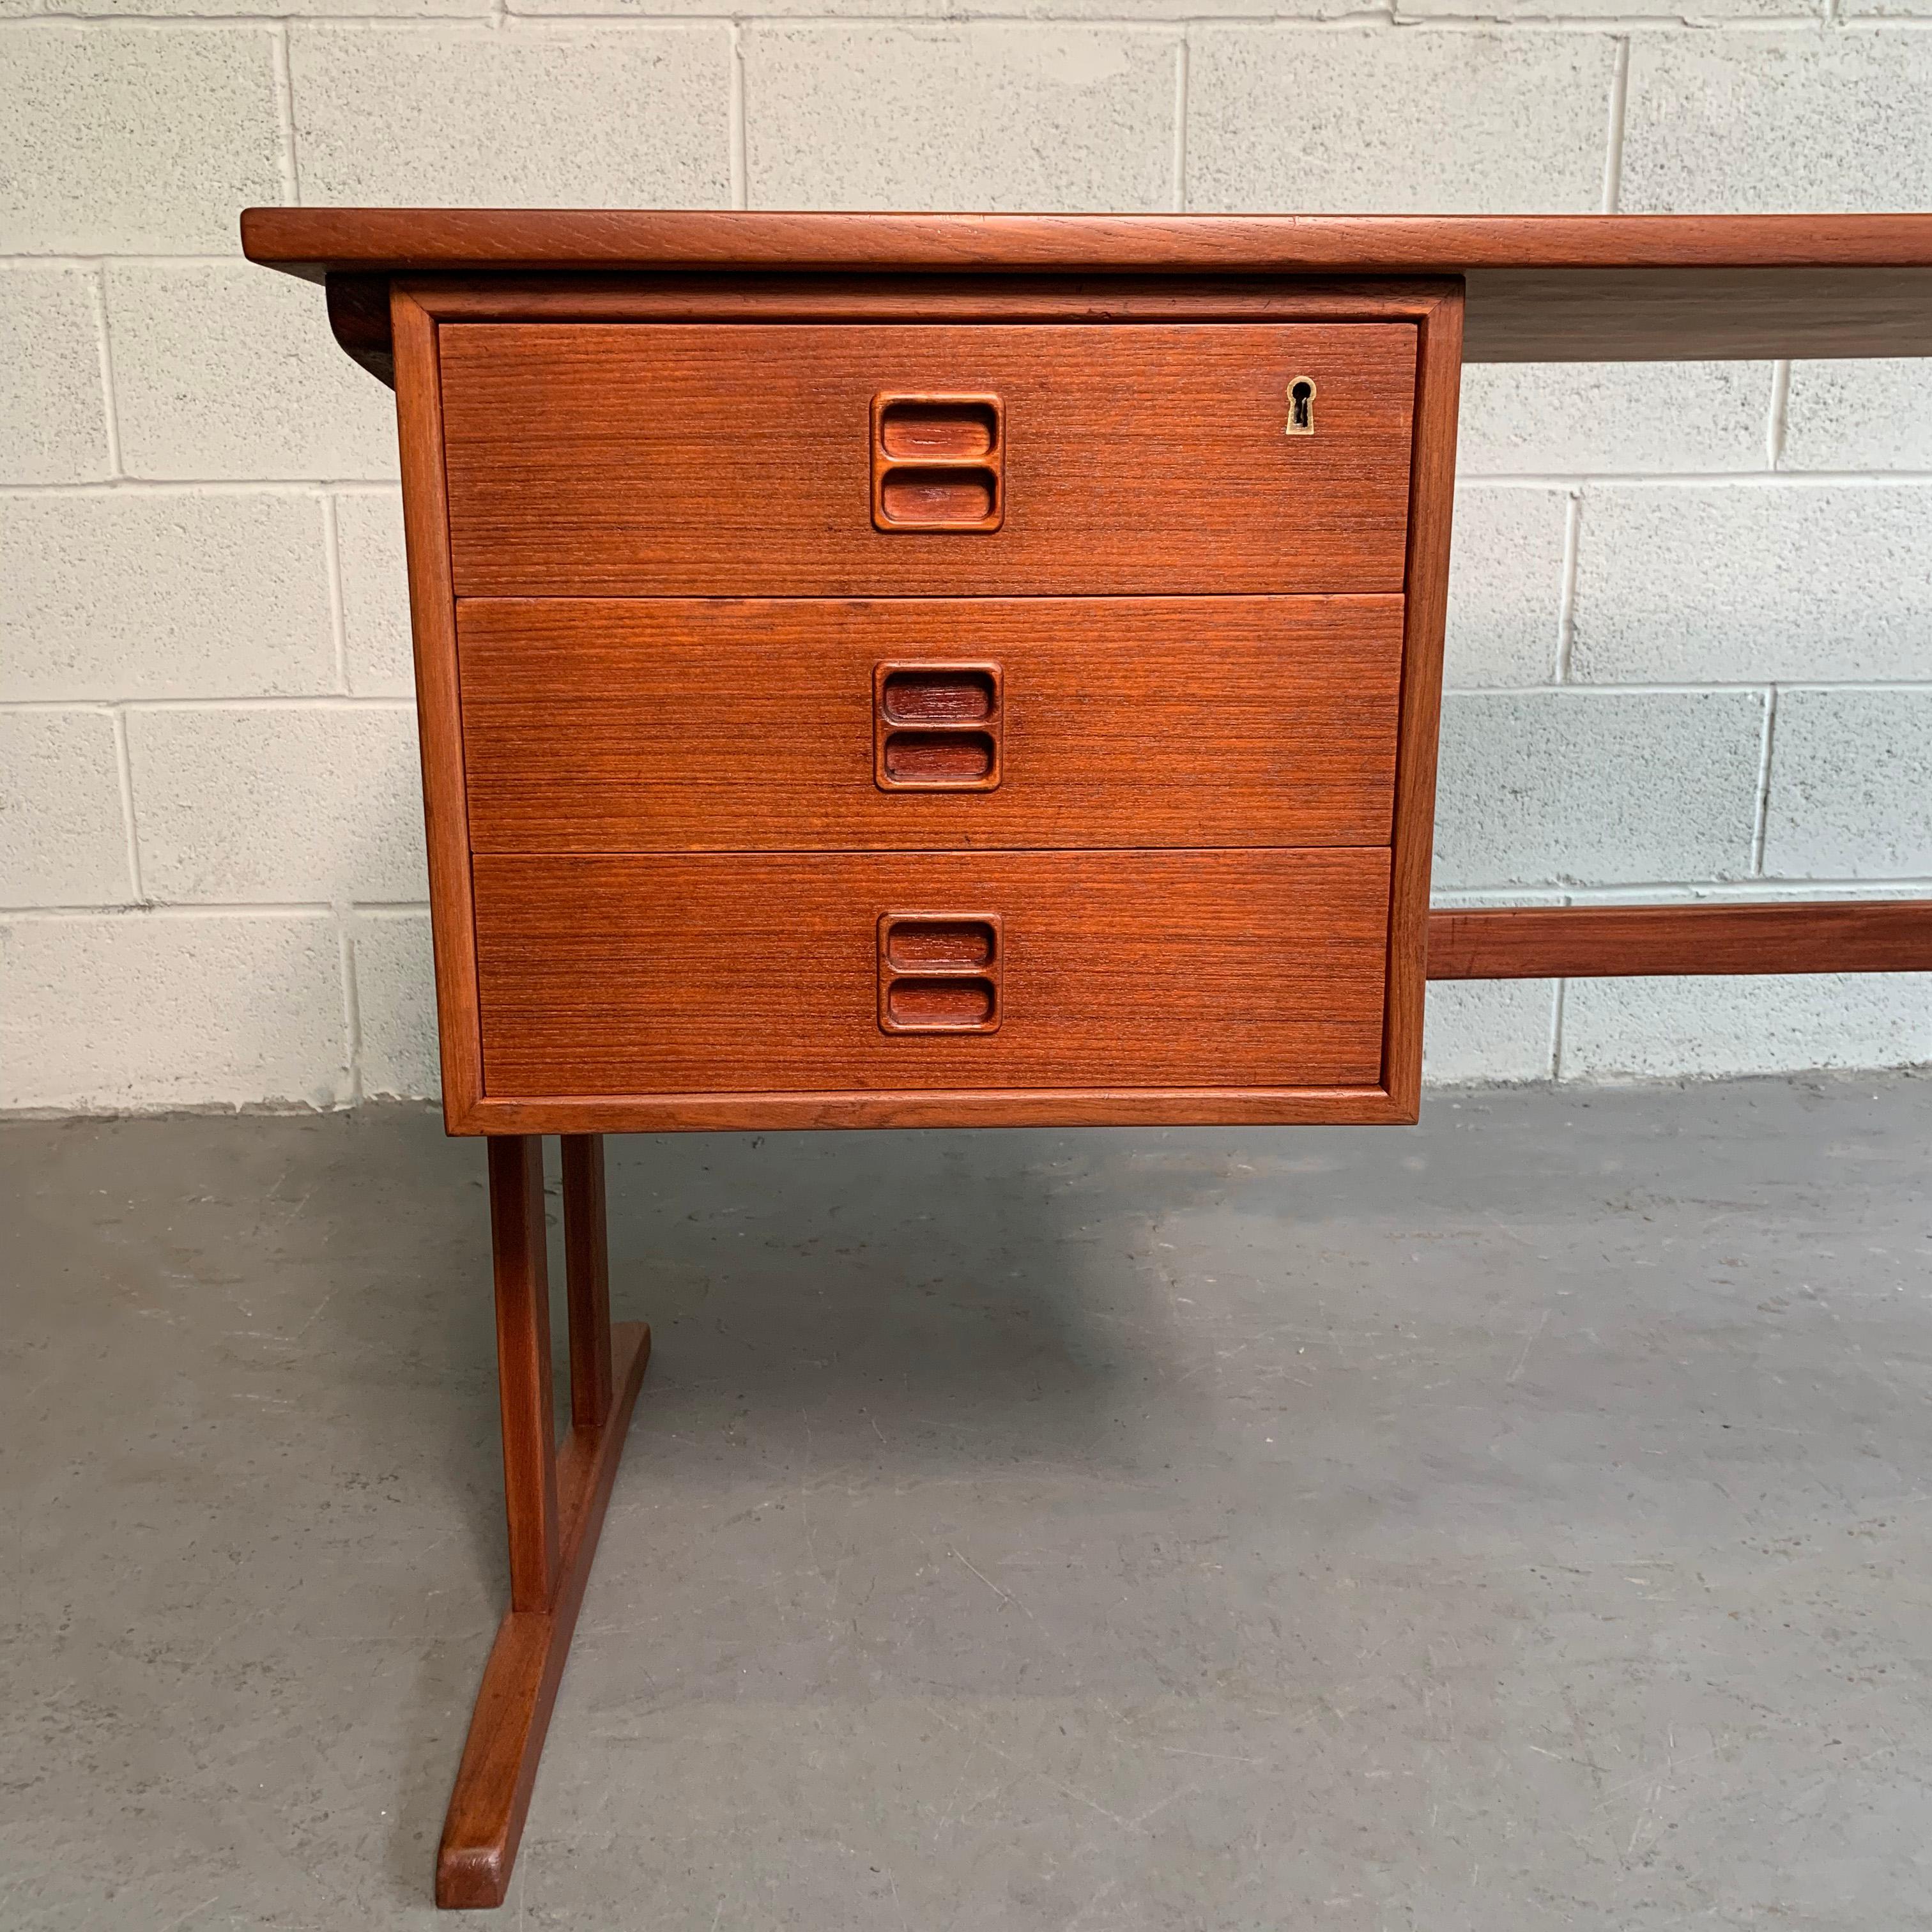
x=1616 y=942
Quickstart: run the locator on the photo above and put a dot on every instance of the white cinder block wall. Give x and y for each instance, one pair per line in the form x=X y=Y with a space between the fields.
x=1690 y=646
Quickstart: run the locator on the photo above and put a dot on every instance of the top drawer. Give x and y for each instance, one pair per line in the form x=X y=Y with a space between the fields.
x=750 y=460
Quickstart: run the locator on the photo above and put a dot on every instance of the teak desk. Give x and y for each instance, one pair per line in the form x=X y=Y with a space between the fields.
x=942 y=670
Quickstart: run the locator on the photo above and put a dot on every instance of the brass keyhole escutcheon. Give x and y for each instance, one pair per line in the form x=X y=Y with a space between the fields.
x=1300 y=406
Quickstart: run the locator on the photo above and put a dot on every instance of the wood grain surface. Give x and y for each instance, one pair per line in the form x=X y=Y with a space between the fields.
x=1551 y=287
x=586 y=1262
x=640 y=975
x=1512 y=315
x=517 y=1240
x=310 y=239
x=846 y=1108
x=1614 y=942
x=1690 y=314
x=665 y=459
x=497 y=1771
x=834 y=295
x=439 y=705
x=670 y=725
x=1432 y=496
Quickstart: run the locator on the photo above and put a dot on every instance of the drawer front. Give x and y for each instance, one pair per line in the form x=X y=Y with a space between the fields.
x=670 y=725
x=750 y=460
x=792 y=974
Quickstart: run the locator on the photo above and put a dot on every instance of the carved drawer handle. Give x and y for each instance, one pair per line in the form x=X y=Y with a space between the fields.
x=939 y=972
x=937 y=726
x=938 y=462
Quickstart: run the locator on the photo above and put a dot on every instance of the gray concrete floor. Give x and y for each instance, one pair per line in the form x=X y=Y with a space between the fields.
x=1516 y=1522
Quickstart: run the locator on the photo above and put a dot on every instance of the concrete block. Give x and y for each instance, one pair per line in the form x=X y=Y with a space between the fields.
x=1770 y=122
x=564 y=118
x=998 y=117
x=375 y=593
x=164 y=593
x=1757 y=891
x=1480 y=1033
x=120 y=139
x=1385 y=119
x=1596 y=787
x=285 y=802
x=63 y=835
x=1731 y=582
x=224 y=370
x=1851 y=785
x=1693 y=13
x=285 y=9
x=112 y=1012
x=1851 y=415
x=1665 y=1029
x=53 y=405
x=1458 y=898
x=1149 y=12
x=1591 y=418
x=395 y=993
x=1505 y=586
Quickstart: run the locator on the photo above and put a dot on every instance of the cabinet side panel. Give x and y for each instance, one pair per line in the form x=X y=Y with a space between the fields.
x=1438 y=378
x=438 y=706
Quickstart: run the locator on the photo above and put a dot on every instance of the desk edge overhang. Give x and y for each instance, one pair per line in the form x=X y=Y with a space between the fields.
x=1541 y=287
x=312 y=241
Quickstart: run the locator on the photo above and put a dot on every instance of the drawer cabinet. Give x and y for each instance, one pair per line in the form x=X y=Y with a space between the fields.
x=737 y=460
x=1015 y=706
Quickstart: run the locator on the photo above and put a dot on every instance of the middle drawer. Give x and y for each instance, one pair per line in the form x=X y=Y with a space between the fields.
x=692 y=724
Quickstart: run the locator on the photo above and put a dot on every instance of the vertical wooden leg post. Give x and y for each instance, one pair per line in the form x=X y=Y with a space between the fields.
x=554 y=1498
x=586 y=1255
x=523 y=1369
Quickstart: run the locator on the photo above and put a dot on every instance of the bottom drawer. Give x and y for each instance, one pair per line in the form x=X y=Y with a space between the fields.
x=802 y=972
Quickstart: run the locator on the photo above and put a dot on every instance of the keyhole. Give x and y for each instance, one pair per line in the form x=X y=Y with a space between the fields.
x=1301 y=406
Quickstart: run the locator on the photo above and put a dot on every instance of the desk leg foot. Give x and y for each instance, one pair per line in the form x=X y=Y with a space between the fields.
x=556 y=1500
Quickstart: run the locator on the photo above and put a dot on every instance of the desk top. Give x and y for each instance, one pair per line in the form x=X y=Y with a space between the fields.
x=1541 y=287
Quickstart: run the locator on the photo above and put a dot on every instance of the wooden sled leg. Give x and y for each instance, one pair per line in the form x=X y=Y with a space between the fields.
x=555 y=1499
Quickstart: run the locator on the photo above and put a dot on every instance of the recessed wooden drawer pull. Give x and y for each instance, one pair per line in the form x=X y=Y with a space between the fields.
x=939 y=972
x=938 y=462
x=936 y=727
